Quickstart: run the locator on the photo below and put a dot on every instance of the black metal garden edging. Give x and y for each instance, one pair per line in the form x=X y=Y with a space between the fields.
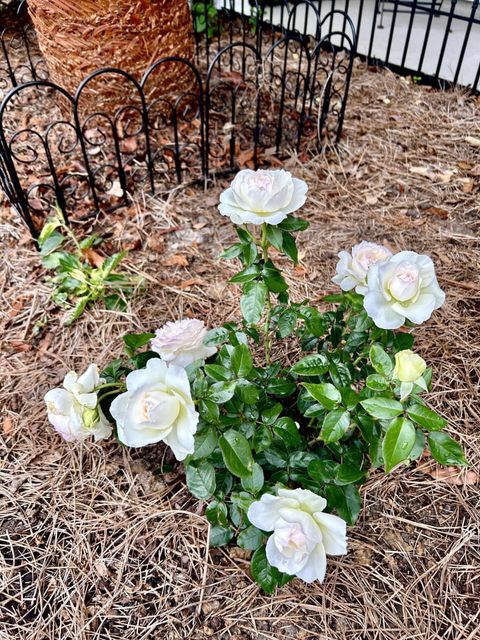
x=249 y=101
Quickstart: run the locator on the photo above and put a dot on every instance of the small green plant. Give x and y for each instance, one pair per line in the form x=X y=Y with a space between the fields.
x=82 y=276
x=206 y=18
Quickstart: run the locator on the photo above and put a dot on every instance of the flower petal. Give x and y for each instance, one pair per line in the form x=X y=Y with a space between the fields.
x=315 y=567
x=334 y=533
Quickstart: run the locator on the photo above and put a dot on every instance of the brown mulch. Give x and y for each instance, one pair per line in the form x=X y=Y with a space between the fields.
x=98 y=543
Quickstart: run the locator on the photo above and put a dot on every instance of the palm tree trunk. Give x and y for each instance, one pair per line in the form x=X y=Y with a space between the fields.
x=77 y=37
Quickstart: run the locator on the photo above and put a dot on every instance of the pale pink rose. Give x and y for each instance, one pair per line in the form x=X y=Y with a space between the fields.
x=181 y=342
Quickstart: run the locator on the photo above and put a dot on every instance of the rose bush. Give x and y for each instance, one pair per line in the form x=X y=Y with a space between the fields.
x=278 y=450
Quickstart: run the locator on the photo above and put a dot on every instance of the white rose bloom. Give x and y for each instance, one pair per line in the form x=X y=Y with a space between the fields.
x=181 y=342
x=73 y=410
x=157 y=406
x=352 y=268
x=302 y=533
x=403 y=287
x=262 y=196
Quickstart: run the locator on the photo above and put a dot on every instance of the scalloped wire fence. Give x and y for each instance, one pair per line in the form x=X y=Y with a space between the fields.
x=253 y=103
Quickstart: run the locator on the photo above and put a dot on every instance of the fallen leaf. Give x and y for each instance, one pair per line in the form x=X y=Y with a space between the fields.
x=20 y=346
x=474 y=142
x=116 y=190
x=7 y=425
x=176 y=260
x=129 y=145
x=468 y=185
x=451 y=475
x=245 y=158
x=45 y=343
x=93 y=258
x=186 y=284
x=422 y=171
x=437 y=211
x=16 y=308
x=446 y=176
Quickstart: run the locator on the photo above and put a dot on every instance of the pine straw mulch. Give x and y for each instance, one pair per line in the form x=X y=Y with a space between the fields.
x=96 y=543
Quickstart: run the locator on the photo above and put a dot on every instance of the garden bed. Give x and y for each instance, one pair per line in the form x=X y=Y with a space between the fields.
x=97 y=543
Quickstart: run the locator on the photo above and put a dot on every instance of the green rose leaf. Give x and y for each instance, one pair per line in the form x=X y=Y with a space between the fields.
x=134 y=341
x=376 y=382
x=205 y=443
x=217 y=372
x=293 y=224
x=268 y=577
x=325 y=393
x=217 y=514
x=335 y=425
x=250 y=538
x=237 y=453
x=253 y=483
x=312 y=365
x=221 y=392
x=273 y=278
x=215 y=337
x=446 y=450
x=345 y=500
x=201 y=480
x=348 y=474
x=398 y=442
x=323 y=471
x=381 y=361
x=253 y=301
x=220 y=536
x=426 y=418
x=382 y=408
x=247 y=392
x=242 y=362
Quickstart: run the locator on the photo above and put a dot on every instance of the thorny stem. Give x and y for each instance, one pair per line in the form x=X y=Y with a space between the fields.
x=266 y=329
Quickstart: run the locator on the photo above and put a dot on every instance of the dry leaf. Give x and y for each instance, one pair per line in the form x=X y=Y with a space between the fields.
x=20 y=346
x=116 y=190
x=422 y=171
x=93 y=258
x=129 y=145
x=186 y=284
x=7 y=425
x=474 y=142
x=446 y=176
x=16 y=308
x=451 y=475
x=176 y=260
x=437 y=211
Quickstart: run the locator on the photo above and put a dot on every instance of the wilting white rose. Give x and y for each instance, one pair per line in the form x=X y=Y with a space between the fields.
x=403 y=287
x=262 y=196
x=181 y=342
x=302 y=533
x=409 y=366
x=73 y=410
x=157 y=406
x=352 y=268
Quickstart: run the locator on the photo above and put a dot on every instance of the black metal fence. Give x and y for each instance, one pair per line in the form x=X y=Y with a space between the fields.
x=437 y=41
x=255 y=95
